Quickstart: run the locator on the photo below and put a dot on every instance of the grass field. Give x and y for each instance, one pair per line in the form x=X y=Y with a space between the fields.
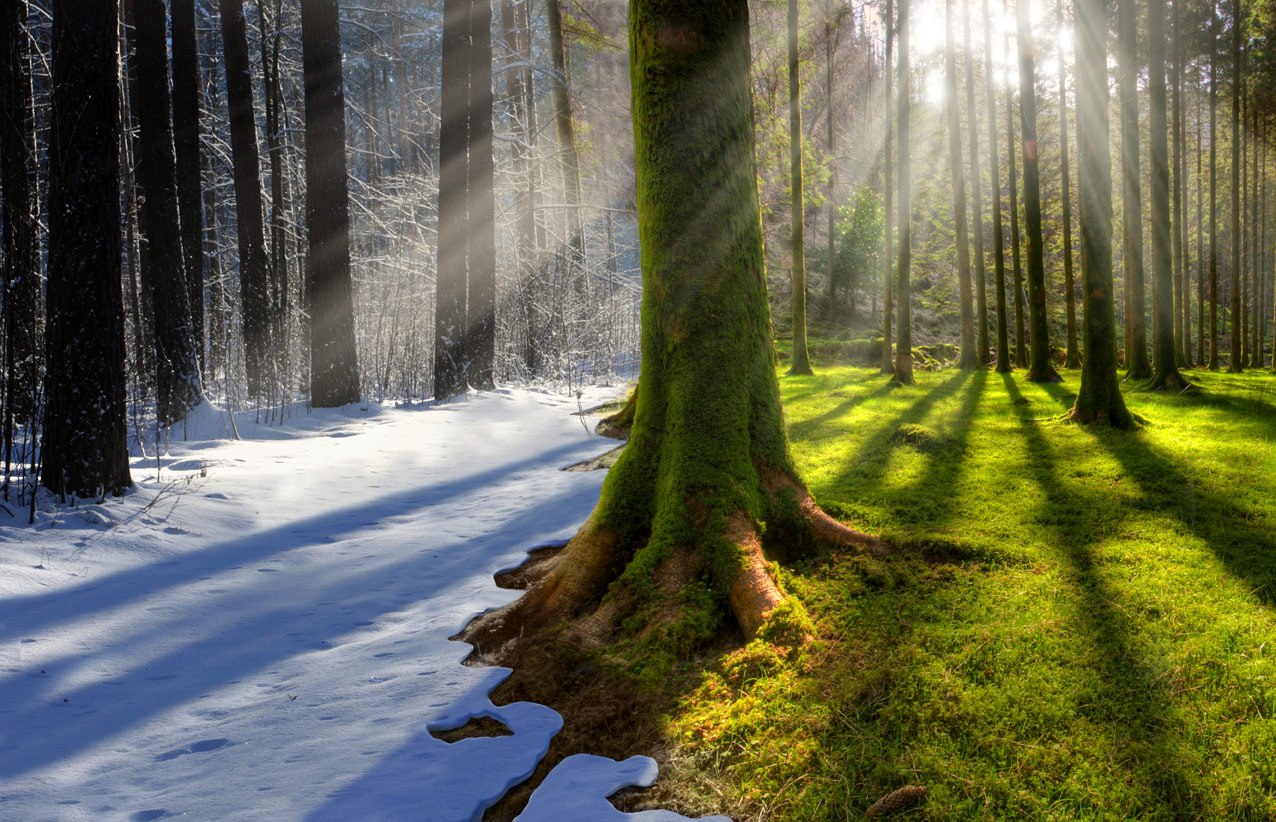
x=1079 y=625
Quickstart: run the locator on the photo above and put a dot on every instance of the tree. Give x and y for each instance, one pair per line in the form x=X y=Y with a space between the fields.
x=177 y=380
x=480 y=207
x=1041 y=369
x=334 y=368
x=254 y=296
x=797 y=209
x=676 y=533
x=1213 y=40
x=568 y=157
x=888 y=194
x=190 y=195
x=1021 y=333
x=1236 y=274
x=21 y=274
x=904 y=294
x=85 y=452
x=998 y=233
x=1165 y=352
x=449 y=302
x=1099 y=397
x=1136 y=356
x=968 y=357
x=977 y=198
x=1072 y=359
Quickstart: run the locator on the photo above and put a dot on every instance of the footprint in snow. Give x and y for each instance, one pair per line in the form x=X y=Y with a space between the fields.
x=203 y=746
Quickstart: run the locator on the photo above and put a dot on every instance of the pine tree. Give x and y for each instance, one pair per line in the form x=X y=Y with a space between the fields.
x=797 y=208
x=968 y=358
x=904 y=294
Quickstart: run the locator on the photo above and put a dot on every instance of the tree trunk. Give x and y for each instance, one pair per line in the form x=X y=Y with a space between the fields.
x=998 y=232
x=254 y=294
x=449 y=308
x=1182 y=319
x=1214 y=24
x=977 y=199
x=518 y=92
x=480 y=202
x=888 y=194
x=272 y=93
x=190 y=195
x=1041 y=369
x=682 y=507
x=1237 y=274
x=334 y=367
x=1021 y=343
x=797 y=208
x=177 y=382
x=1166 y=376
x=968 y=358
x=1136 y=355
x=1072 y=359
x=904 y=295
x=830 y=208
x=568 y=158
x=1099 y=397
x=85 y=451
x=21 y=279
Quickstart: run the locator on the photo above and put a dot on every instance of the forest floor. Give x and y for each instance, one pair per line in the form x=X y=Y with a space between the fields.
x=1077 y=623
x=260 y=630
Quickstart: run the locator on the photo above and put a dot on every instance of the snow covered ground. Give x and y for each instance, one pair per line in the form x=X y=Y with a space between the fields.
x=260 y=631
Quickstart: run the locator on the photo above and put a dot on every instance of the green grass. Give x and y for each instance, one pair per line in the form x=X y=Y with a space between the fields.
x=1081 y=623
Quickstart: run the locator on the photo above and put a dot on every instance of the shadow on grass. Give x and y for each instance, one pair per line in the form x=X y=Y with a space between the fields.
x=805 y=428
x=1134 y=707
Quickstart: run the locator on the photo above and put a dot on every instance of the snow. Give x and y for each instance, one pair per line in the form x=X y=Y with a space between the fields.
x=261 y=630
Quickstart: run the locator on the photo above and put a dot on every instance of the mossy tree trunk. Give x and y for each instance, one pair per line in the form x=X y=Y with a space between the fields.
x=904 y=331
x=1214 y=23
x=888 y=196
x=1165 y=352
x=968 y=358
x=998 y=230
x=1182 y=317
x=676 y=536
x=797 y=216
x=1099 y=397
x=1072 y=359
x=1021 y=333
x=1136 y=356
x=977 y=198
x=1041 y=369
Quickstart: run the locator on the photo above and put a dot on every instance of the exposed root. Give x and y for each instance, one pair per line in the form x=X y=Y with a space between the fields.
x=753 y=594
x=617 y=425
x=824 y=527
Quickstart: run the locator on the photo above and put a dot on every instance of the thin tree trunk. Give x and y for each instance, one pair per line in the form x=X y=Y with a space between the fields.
x=568 y=158
x=888 y=195
x=1182 y=319
x=977 y=199
x=190 y=197
x=1214 y=24
x=797 y=208
x=1136 y=355
x=969 y=357
x=449 y=310
x=1021 y=333
x=1236 y=275
x=480 y=306
x=904 y=333
x=998 y=233
x=1072 y=359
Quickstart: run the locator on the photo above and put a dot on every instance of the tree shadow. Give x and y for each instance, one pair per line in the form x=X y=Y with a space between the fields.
x=1136 y=711
x=805 y=427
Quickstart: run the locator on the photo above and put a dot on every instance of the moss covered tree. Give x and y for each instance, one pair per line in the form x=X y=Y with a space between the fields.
x=797 y=206
x=676 y=535
x=904 y=294
x=1099 y=397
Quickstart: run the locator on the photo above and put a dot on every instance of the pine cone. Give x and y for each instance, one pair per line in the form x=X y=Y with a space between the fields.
x=898 y=800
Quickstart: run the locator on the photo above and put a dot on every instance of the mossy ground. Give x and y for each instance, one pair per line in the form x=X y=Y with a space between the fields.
x=1080 y=625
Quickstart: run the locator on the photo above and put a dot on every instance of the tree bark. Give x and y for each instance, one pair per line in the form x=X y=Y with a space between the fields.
x=1214 y=24
x=334 y=367
x=998 y=232
x=1072 y=358
x=1041 y=368
x=969 y=357
x=449 y=307
x=1136 y=356
x=1021 y=333
x=568 y=158
x=904 y=330
x=977 y=199
x=1236 y=274
x=888 y=195
x=480 y=207
x=1099 y=397
x=187 y=95
x=85 y=451
x=797 y=208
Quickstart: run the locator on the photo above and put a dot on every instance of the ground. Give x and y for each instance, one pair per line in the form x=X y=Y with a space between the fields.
x=1077 y=622
x=261 y=630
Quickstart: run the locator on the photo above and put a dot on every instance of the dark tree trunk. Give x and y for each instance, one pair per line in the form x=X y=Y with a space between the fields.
x=1237 y=273
x=85 y=451
x=21 y=278
x=190 y=196
x=519 y=93
x=904 y=332
x=1099 y=397
x=888 y=196
x=569 y=159
x=177 y=384
x=272 y=94
x=1042 y=369
x=480 y=307
x=1072 y=358
x=977 y=198
x=1214 y=24
x=1182 y=320
x=1136 y=355
x=253 y=275
x=1164 y=351
x=449 y=308
x=797 y=203
x=334 y=366
x=968 y=358
x=1021 y=332
x=998 y=230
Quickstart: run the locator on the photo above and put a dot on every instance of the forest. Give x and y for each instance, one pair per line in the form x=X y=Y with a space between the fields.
x=637 y=409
